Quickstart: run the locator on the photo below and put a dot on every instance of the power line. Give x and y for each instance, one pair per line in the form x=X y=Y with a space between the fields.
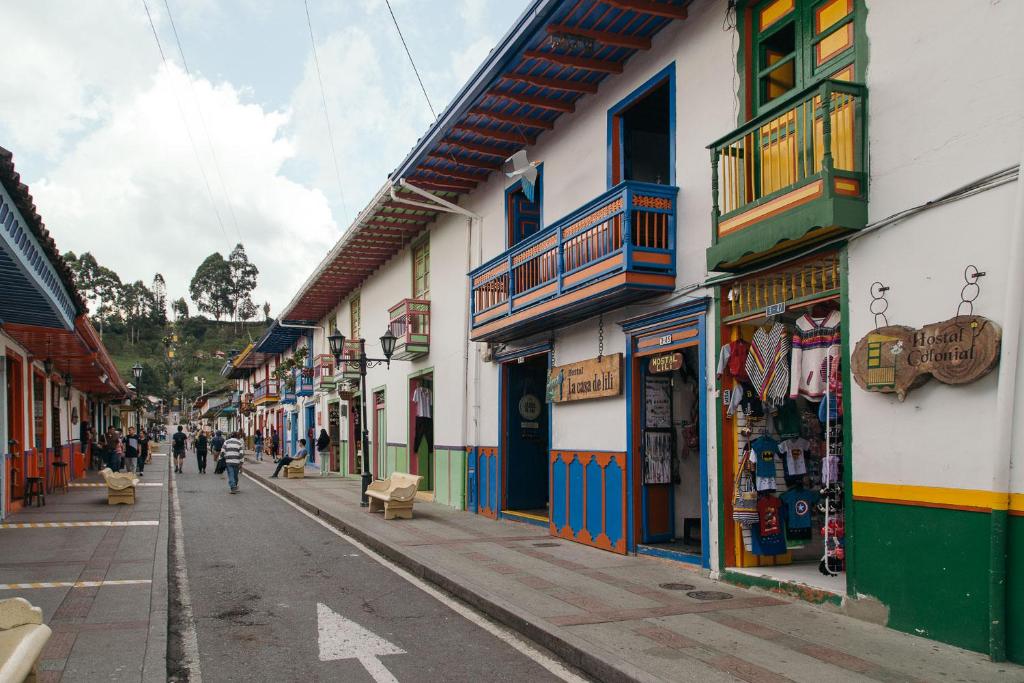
x=202 y=120
x=184 y=121
x=327 y=117
x=409 y=55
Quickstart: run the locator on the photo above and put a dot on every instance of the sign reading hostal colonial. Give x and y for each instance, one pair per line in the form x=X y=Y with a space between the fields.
x=896 y=359
x=592 y=378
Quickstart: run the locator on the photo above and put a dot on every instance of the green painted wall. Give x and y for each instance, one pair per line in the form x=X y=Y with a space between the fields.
x=450 y=477
x=1015 y=591
x=926 y=565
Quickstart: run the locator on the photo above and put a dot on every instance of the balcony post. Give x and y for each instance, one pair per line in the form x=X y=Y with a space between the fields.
x=715 y=212
x=511 y=279
x=627 y=227
x=826 y=129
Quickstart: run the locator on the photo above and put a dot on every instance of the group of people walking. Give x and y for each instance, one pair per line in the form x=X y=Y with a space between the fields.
x=120 y=451
x=226 y=452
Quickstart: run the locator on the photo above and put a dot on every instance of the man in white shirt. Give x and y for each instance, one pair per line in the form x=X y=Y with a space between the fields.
x=233 y=460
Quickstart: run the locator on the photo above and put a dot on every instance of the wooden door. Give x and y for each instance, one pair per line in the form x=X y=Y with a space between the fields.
x=380 y=431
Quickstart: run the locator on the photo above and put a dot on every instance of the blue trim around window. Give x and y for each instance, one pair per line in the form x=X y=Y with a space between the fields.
x=669 y=74
x=538 y=200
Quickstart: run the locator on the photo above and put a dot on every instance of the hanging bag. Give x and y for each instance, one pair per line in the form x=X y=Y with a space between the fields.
x=744 y=500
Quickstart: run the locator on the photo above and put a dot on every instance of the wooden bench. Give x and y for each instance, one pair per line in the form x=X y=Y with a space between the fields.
x=296 y=469
x=120 y=487
x=22 y=638
x=394 y=495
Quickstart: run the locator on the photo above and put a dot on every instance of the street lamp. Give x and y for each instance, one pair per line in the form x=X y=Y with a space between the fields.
x=387 y=345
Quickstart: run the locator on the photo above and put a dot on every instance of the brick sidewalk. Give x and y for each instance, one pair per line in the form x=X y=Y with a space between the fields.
x=115 y=627
x=632 y=618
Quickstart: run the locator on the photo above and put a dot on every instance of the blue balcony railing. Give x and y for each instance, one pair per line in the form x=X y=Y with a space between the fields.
x=617 y=248
x=304 y=381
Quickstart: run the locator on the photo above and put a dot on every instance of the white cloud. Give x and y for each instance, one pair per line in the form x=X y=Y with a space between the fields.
x=131 y=193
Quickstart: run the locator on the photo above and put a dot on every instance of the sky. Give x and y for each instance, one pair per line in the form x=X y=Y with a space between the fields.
x=152 y=167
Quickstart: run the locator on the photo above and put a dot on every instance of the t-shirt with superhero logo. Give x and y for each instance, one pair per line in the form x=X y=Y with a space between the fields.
x=770 y=522
x=799 y=504
x=765 y=451
x=795 y=457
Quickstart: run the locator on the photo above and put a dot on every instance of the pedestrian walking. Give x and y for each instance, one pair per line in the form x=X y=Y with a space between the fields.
x=275 y=443
x=178 y=442
x=233 y=459
x=202 y=444
x=110 y=444
x=323 y=447
x=131 y=450
x=258 y=445
x=143 y=452
x=302 y=452
x=217 y=446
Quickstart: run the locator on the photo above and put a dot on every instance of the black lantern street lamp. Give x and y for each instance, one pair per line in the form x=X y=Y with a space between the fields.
x=137 y=374
x=387 y=345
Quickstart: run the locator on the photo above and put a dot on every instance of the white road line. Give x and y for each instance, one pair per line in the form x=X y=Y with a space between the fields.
x=189 y=637
x=67 y=525
x=98 y=485
x=71 y=584
x=505 y=635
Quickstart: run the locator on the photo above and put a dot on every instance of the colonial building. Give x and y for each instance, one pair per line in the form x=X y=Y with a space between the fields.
x=667 y=341
x=58 y=378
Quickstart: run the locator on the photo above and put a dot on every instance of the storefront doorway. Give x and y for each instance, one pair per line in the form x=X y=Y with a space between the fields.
x=783 y=449
x=421 y=427
x=334 y=431
x=355 y=434
x=311 y=432
x=526 y=440
x=380 y=434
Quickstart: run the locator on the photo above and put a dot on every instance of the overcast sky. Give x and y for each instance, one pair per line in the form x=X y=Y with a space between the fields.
x=95 y=121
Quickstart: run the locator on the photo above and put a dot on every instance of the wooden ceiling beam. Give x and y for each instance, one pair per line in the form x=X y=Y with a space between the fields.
x=480 y=147
x=589 y=63
x=465 y=161
x=553 y=83
x=658 y=9
x=515 y=136
x=564 y=106
x=451 y=173
x=609 y=38
x=447 y=185
x=517 y=119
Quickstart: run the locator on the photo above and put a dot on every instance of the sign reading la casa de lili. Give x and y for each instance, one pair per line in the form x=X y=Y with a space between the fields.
x=897 y=358
x=592 y=378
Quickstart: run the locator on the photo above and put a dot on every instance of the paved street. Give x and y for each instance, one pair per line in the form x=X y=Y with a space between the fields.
x=274 y=593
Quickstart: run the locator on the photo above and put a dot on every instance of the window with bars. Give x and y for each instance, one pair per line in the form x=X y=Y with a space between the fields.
x=421 y=270
x=355 y=318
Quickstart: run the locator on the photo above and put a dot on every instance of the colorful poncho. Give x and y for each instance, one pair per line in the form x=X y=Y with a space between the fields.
x=768 y=364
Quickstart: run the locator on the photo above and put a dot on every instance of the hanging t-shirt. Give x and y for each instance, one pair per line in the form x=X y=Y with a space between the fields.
x=799 y=503
x=795 y=460
x=765 y=450
x=732 y=361
x=787 y=420
x=422 y=398
x=830 y=469
x=771 y=539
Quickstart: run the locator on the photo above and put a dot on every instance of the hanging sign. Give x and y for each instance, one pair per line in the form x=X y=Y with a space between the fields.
x=665 y=362
x=592 y=378
x=896 y=358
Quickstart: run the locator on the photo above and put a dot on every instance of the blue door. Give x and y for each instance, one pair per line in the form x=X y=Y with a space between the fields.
x=527 y=444
x=311 y=432
x=295 y=434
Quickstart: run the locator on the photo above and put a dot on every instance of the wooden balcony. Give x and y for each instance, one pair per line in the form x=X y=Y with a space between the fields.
x=348 y=371
x=615 y=249
x=410 y=322
x=323 y=373
x=792 y=177
x=266 y=392
x=288 y=388
x=304 y=381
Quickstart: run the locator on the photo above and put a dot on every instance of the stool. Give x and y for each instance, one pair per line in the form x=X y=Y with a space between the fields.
x=59 y=476
x=34 y=487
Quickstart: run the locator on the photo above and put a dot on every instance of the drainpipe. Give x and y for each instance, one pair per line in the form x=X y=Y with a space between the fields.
x=1005 y=408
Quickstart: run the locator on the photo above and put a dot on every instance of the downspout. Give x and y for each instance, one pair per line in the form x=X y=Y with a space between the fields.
x=1006 y=395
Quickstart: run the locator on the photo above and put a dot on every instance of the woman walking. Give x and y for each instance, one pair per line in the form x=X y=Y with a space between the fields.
x=143 y=452
x=131 y=450
x=258 y=445
x=111 y=444
x=323 y=447
x=275 y=443
x=202 y=443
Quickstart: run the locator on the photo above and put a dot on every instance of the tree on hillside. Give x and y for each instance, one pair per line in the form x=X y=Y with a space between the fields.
x=180 y=309
x=243 y=277
x=211 y=288
x=266 y=310
x=159 y=289
x=246 y=310
x=99 y=285
x=137 y=308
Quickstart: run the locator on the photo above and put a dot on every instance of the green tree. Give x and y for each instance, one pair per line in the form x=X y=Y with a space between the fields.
x=159 y=290
x=243 y=277
x=99 y=286
x=179 y=308
x=246 y=310
x=211 y=288
x=266 y=310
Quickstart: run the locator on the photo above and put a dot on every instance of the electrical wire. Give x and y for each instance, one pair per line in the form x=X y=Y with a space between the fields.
x=202 y=120
x=184 y=122
x=409 y=55
x=327 y=117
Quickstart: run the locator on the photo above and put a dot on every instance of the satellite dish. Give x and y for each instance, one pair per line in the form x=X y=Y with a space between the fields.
x=519 y=167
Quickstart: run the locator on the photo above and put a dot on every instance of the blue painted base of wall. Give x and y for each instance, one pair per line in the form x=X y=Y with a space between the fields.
x=669 y=554
x=513 y=516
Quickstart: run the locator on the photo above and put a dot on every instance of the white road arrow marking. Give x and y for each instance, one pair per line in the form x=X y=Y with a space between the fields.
x=341 y=638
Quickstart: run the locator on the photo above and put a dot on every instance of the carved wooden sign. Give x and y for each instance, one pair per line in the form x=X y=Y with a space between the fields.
x=896 y=359
x=591 y=378
x=665 y=362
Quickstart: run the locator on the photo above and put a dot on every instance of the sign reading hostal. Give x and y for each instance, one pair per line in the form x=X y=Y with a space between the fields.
x=896 y=359
x=592 y=378
x=665 y=362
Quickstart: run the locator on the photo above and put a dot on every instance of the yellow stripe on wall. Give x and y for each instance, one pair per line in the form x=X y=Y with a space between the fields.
x=937 y=496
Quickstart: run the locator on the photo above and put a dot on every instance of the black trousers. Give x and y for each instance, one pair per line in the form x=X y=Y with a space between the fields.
x=201 y=460
x=281 y=463
x=140 y=467
x=424 y=430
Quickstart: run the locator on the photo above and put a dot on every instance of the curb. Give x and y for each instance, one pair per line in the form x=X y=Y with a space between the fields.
x=154 y=666
x=574 y=651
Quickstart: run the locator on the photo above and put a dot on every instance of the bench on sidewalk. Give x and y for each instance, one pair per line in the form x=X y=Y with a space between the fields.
x=120 y=486
x=22 y=638
x=296 y=469
x=394 y=495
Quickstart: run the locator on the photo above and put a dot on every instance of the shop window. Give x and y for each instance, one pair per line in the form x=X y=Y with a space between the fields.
x=523 y=214
x=421 y=271
x=641 y=132
x=797 y=43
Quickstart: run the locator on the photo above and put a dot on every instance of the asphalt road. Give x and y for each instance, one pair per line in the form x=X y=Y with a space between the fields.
x=273 y=591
